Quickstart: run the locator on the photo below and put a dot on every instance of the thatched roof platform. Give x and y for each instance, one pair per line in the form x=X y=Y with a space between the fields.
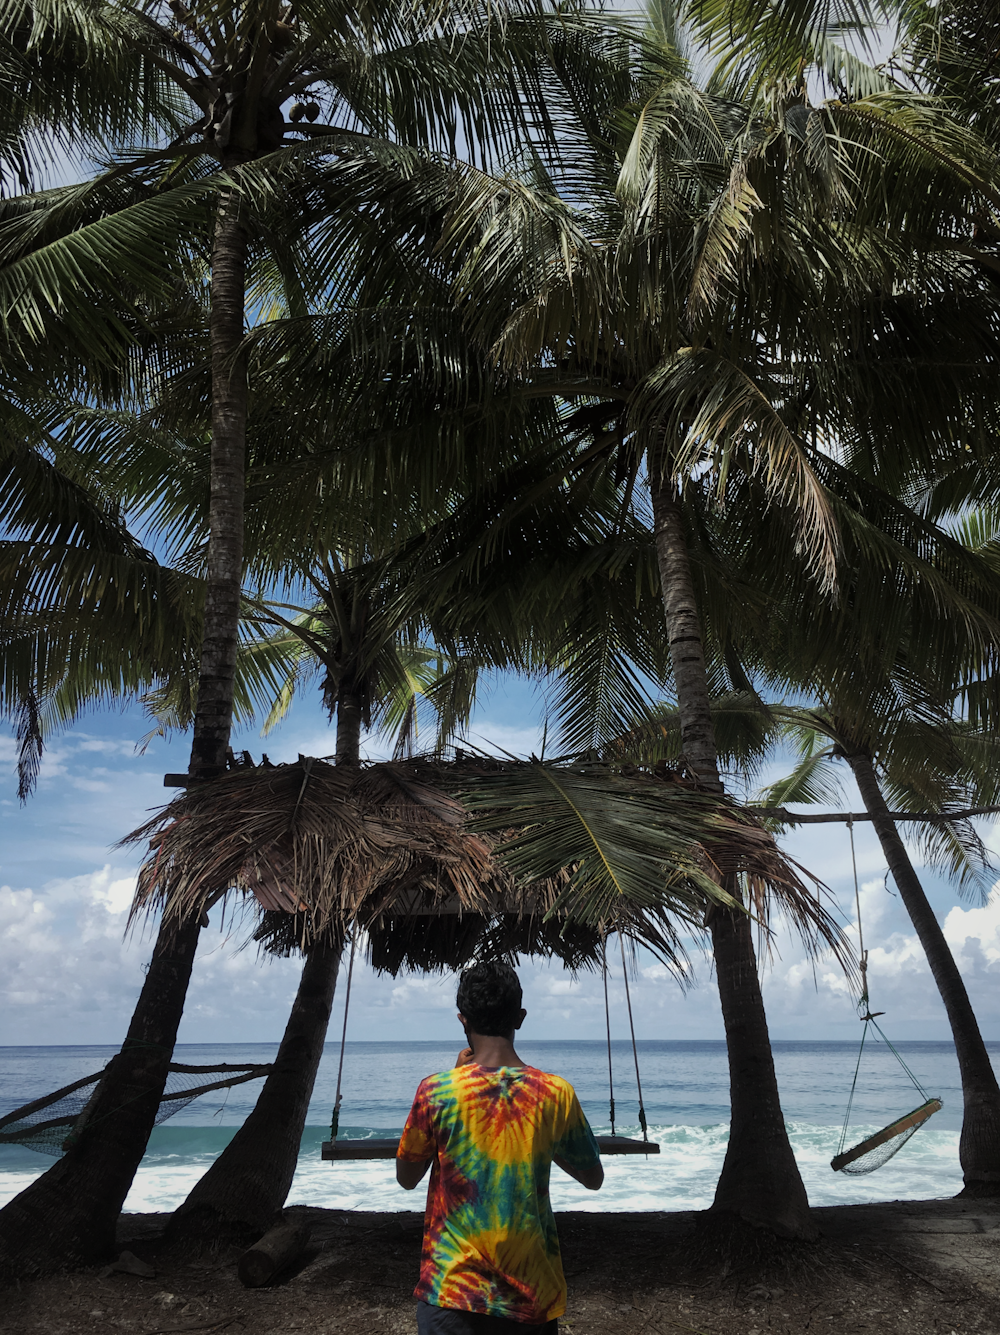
x=389 y=848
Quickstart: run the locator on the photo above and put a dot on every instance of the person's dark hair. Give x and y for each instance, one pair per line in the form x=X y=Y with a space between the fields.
x=489 y=996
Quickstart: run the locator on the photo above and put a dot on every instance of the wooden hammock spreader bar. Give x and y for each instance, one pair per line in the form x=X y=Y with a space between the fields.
x=850 y=817
x=360 y=1149
x=38 y=1104
x=896 y=1128
x=19 y=1137
x=624 y=1145
x=221 y=1066
x=386 y=1148
x=189 y=1094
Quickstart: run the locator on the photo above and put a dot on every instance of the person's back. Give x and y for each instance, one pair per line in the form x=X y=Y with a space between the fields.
x=493 y=1127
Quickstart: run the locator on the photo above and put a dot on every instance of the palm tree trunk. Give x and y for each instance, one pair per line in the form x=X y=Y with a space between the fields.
x=979 y=1146
x=224 y=582
x=760 y=1181
x=246 y=1186
x=687 y=654
x=348 y=726
x=69 y=1214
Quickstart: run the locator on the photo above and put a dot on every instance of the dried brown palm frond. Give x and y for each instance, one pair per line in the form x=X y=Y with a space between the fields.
x=325 y=845
x=385 y=847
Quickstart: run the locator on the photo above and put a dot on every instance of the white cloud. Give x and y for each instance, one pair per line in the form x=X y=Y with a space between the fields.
x=981 y=926
x=68 y=973
x=115 y=895
x=49 y=976
x=410 y=992
x=108 y=746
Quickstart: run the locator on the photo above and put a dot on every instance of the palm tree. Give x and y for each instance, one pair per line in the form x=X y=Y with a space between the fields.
x=219 y=79
x=887 y=658
x=356 y=645
x=715 y=358
x=928 y=766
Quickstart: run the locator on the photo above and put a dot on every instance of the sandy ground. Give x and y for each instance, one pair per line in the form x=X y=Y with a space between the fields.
x=914 y=1267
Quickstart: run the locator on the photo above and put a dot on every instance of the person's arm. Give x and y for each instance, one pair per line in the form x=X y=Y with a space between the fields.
x=409 y=1173
x=592 y=1178
x=416 y=1145
x=576 y=1151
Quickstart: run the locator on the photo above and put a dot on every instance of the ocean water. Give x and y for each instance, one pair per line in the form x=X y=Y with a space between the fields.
x=686 y=1094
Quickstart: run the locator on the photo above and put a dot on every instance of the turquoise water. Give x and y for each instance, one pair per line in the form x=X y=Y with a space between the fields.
x=685 y=1089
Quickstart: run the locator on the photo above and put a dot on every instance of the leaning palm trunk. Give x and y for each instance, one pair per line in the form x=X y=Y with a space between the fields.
x=247 y=1185
x=979 y=1146
x=69 y=1215
x=760 y=1181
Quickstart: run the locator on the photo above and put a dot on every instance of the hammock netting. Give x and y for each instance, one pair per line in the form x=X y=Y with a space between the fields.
x=46 y=1124
x=874 y=1151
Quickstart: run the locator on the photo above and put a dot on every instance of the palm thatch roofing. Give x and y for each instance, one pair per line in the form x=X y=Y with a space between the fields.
x=387 y=847
x=321 y=847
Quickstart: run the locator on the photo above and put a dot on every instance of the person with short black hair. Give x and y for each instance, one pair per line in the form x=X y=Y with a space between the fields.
x=492 y=1127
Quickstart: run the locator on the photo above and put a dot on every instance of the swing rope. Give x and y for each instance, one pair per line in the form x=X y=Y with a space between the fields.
x=635 y=1050
x=850 y=1100
x=872 y=1152
x=607 y=1023
x=863 y=965
x=335 y=1116
x=387 y=1148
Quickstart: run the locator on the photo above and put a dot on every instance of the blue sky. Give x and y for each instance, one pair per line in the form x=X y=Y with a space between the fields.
x=68 y=974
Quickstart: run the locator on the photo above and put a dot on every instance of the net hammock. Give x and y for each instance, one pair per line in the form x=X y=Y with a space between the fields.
x=51 y=1124
x=875 y=1150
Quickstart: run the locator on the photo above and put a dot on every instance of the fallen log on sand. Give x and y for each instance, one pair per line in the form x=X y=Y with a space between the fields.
x=279 y=1248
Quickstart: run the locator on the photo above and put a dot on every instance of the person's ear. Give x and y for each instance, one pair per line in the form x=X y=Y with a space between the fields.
x=520 y=1019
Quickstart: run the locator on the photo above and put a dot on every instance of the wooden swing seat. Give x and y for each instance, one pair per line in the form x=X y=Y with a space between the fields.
x=375 y=1148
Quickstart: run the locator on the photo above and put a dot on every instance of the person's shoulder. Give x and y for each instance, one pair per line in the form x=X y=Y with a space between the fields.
x=556 y=1086
x=438 y=1082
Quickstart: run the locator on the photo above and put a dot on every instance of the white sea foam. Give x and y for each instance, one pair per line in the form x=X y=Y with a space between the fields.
x=681 y=1177
x=686 y=1097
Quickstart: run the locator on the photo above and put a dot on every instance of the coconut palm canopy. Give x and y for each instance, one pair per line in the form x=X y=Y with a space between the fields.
x=558 y=856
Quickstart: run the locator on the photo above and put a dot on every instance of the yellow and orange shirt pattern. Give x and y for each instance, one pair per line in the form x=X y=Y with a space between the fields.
x=490 y=1242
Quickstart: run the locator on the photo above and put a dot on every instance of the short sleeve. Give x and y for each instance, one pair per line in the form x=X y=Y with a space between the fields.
x=576 y=1146
x=417 y=1142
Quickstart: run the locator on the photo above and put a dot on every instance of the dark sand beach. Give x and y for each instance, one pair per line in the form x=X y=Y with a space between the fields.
x=913 y=1266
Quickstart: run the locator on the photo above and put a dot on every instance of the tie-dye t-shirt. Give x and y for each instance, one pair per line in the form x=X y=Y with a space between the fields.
x=490 y=1242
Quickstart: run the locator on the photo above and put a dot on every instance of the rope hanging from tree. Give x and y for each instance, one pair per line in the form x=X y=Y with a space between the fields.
x=607 y=1024
x=647 y=1147
x=874 y=1151
x=635 y=1050
x=335 y=1116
